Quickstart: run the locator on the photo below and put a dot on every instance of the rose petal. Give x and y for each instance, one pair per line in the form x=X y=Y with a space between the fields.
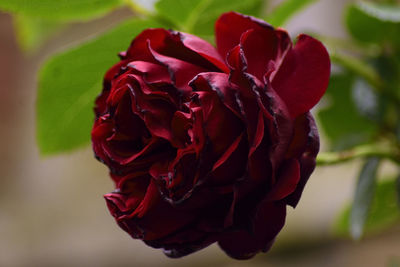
x=204 y=49
x=230 y=27
x=153 y=73
x=259 y=47
x=219 y=119
x=307 y=161
x=232 y=148
x=219 y=83
x=176 y=45
x=287 y=181
x=138 y=50
x=303 y=76
x=158 y=220
x=268 y=221
x=181 y=72
x=183 y=243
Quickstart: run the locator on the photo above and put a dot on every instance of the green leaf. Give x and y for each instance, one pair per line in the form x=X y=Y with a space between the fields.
x=397 y=185
x=372 y=22
x=365 y=99
x=340 y=120
x=387 y=66
x=365 y=190
x=62 y=10
x=179 y=11
x=199 y=16
x=383 y=211
x=33 y=31
x=283 y=12
x=69 y=83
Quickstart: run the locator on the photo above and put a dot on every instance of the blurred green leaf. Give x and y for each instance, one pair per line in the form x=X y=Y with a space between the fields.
x=365 y=100
x=358 y=67
x=388 y=67
x=69 y=83
x=363 y=196
x=397 y=184
x=33 y=31
x=372 y=22
x=199 y=16
x=180 y=11
x=340 y=120
x=283 y=12
x=393 y=262
x=383 y=212
x=62 y=10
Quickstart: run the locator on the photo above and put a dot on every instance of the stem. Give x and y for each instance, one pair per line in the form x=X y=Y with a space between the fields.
x=374 y=150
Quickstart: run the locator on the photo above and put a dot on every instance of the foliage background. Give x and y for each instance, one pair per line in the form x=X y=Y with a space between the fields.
x=51 y=209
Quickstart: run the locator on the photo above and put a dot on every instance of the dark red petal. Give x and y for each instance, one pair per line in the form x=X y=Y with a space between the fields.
x=183 y=243
x=219 y=83
x=150 y=199
x=111 y=153
x=307 y=160
x=181 y=123
x=280 y=130
x=123 y=182
x=268 y=221
x=300 y=137
x=259 y=47
x=159 y=220
x=219 y=119
x=101 y=130
x=287 y=180
x=181 y=72
x=176 y=45
x=259 y=134
x=231 y=166
x=152 y=73
x=303 y=76
x=232 y=148
x=230 y=27
x=138 y=50
x=156 y=110
x=204 y=49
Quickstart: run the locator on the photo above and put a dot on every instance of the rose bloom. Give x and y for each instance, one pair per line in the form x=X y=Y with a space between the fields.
x=210 y=144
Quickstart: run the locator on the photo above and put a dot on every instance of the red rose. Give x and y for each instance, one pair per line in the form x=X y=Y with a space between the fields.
x=209 y=145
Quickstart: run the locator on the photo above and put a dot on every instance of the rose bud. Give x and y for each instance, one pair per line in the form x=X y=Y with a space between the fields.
x=210 y=144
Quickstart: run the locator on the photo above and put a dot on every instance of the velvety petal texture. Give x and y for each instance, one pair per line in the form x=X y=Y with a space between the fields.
x=210 y=144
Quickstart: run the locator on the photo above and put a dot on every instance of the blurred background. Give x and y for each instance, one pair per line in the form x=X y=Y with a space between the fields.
x=52 y=212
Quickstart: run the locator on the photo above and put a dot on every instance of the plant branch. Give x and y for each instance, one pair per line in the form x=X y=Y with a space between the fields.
x=370 y=150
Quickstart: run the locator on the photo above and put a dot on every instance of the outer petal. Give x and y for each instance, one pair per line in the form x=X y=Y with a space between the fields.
x=157 y=219
x=177 y=45
x=268 y=221
x=259 y=48
x=183 y=243
x=181 y=71
x=204 y=49
x=306 y=160
x=303 y=76
x=288 y=178
x=230 y=27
